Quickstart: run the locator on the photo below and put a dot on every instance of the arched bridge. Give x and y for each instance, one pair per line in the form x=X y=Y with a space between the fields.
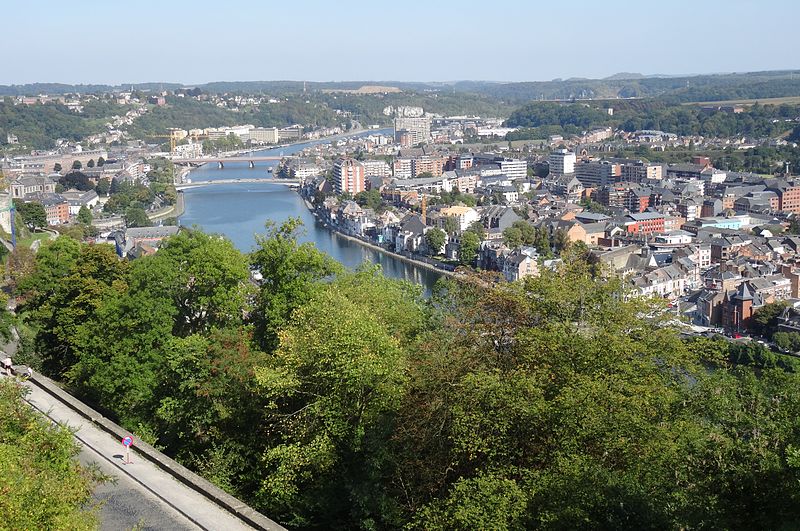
x=221 y=161
x=195 y=184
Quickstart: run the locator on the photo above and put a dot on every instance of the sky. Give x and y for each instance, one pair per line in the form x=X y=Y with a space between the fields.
x=197 y=41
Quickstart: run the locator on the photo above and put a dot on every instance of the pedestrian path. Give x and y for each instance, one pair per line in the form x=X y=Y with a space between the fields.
x=158 y=501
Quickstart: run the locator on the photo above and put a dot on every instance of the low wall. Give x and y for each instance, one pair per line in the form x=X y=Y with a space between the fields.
x=216 y=495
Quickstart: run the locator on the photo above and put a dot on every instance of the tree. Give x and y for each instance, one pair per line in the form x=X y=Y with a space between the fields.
x=765 y=319
x=76 y=165
x=84 y=215
x=560 y=240
x=370 y=199
x=290 y=272
x=101 y=161
x=332 y=400
x=469 y=248
x=451 y=225
x=76 y=180
x=512 y=236
x=435 y=238
x=57 y=167
x=527 y=231
x=33 y=214
x=479 y=230
x=136 y=217
x=542 y=243
x=44 y=486
x=90 y=164
x=103 y=186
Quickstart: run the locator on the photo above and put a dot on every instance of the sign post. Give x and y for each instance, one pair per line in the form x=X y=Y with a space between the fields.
x=127 y=442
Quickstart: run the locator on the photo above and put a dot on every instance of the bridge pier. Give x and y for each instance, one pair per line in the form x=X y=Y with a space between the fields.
x=252 y=164
x=221 y=166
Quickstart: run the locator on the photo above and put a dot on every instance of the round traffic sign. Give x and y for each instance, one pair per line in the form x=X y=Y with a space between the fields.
x=127 y=441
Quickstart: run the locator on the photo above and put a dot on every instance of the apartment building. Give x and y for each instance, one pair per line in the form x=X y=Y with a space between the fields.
x=348 y=176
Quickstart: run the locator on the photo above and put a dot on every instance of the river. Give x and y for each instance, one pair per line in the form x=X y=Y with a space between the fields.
x=239 y=211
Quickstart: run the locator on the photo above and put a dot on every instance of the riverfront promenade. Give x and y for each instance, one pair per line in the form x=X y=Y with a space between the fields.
x=431 y=266
x=142 y=495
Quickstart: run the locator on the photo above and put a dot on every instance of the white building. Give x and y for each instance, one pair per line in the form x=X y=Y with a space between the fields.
x=76 y=199
x=376 y=168
x=418 y=127
x=189 y=151
x=266 y=135
x=514 y=168
x=562 y=162
x=465 y=216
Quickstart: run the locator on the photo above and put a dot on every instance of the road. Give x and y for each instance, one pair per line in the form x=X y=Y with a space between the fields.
x=142 y=495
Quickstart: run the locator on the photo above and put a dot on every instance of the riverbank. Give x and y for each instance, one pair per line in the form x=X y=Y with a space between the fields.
x=172 y=211
x=253 y=150
x=393 y=254
x=378 y=248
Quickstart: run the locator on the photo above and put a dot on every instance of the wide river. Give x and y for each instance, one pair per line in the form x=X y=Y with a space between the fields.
x=239 y=211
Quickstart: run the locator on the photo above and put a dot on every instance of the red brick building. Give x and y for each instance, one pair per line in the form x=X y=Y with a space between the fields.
x=644 y=223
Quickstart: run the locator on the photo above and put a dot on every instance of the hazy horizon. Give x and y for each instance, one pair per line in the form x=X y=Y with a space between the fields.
x=193 y=43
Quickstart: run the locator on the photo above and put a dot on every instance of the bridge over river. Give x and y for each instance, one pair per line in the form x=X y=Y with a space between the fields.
x=222 y=161
x=195 y=184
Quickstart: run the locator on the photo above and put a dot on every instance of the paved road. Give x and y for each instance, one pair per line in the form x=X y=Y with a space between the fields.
x=143 y=496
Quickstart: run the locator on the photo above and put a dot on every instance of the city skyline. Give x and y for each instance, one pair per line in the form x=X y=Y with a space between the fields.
x=194 y=43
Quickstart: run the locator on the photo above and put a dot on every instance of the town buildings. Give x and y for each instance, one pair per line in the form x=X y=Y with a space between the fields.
x=562 y=162
x=348 y=176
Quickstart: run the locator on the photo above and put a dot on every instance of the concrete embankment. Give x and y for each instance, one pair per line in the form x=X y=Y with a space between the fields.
x=378 y=248
x=398 y=256
x=172 y=211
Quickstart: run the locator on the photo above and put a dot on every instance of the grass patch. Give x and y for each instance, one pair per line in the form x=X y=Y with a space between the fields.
x=28 y=240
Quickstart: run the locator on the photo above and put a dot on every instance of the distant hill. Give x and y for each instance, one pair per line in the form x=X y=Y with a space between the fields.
x=690 y=88
x=625 y=75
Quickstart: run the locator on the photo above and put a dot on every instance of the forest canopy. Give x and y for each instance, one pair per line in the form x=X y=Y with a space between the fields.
x=334 y=399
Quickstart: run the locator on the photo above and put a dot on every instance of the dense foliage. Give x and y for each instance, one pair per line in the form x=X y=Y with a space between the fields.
x=341 y=400
x=42 y=485
x=38 y=126
x=541 y=119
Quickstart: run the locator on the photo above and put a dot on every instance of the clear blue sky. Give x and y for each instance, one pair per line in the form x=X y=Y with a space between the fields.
x=112 y=41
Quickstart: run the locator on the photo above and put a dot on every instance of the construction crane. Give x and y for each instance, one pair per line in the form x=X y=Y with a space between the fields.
x=174 y=135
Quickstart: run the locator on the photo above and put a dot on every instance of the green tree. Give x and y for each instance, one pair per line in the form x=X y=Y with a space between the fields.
x=765 y=319
x=101 y=162
x=137 y=217
x=57 y=167
x=103 y=186
x=370 y=199
x=332 y=400
x=77 y=180
x=468 y=250
x=542 y=243
x=527 y=231
x=435 y=238
x=32 y=213
x=451 y=225
x=560 y=240
x=44 y=487
x=290 y=272
x=90 y=164
x=76 y=165
x=210 y=414
x=84 y=215
x=479 y=230
x=513 y=237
